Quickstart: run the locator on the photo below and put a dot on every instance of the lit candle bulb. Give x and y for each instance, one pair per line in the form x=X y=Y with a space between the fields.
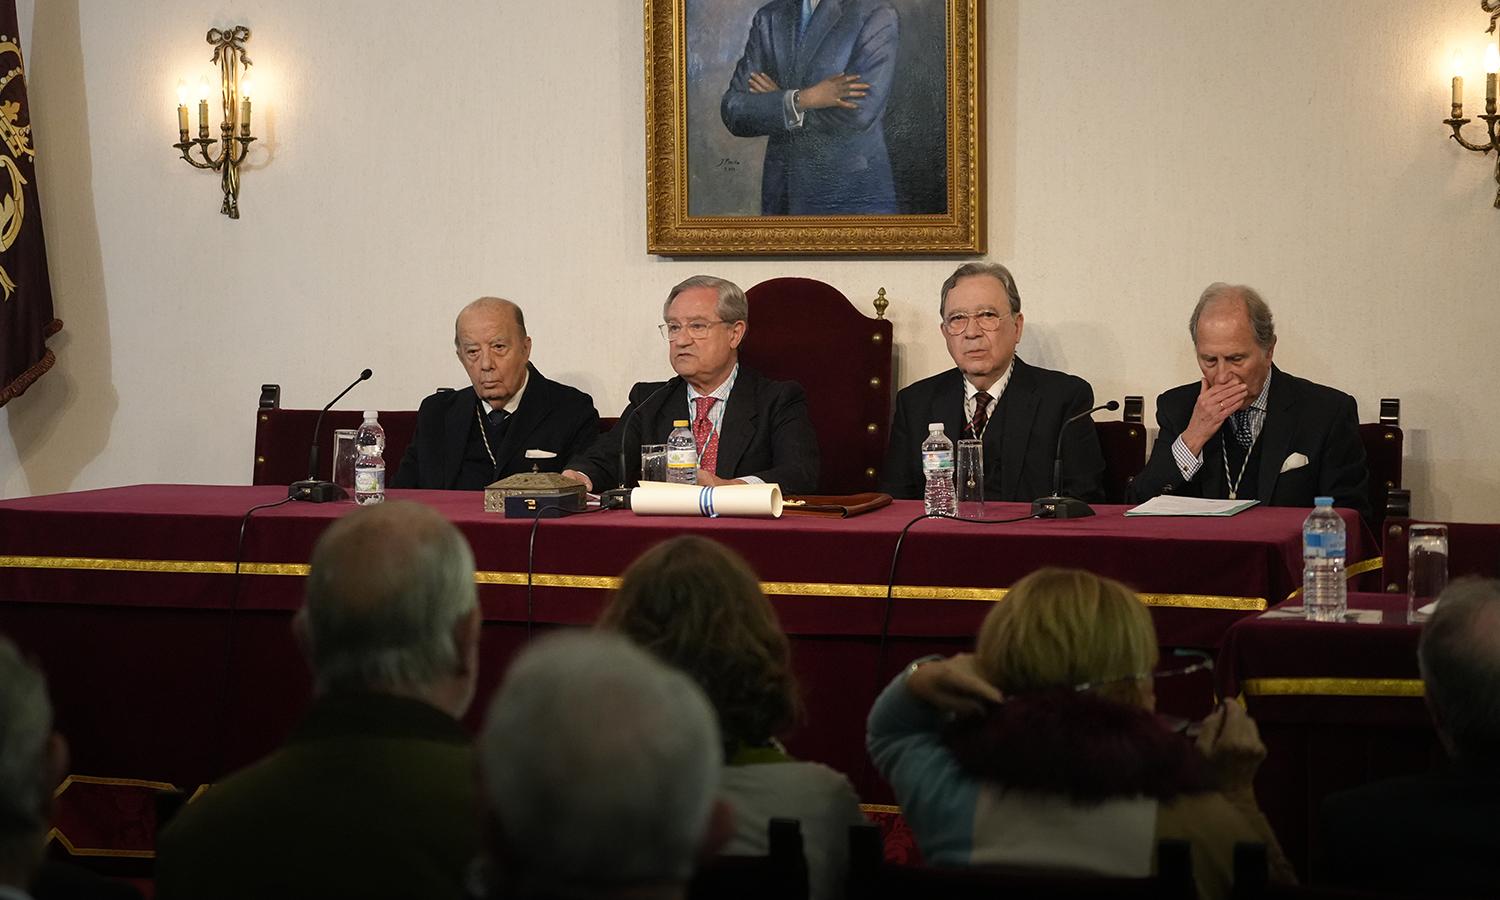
x=182 y=110
x=1491 y=66
x=203 y=107
x=245 y=87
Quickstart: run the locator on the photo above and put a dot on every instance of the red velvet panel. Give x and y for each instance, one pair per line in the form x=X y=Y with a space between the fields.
x=806 y=331
x=1473 y=549
x=283 y=436
x=1383 y=445
x=1124 y=446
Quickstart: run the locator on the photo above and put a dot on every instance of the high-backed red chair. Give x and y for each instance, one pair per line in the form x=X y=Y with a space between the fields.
x=1473 y=549
x=1383 y=442
x=1124 y=446
x=807 y=331
x=283 y=436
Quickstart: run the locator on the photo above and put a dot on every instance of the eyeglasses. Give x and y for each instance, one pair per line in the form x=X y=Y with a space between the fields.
x=1205 y=662
x=989 y=320
x=695 y=330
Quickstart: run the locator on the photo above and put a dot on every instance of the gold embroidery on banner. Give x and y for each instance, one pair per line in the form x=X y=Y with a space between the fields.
x=1333 y=687
x=117 y=782
x=882 y=808
x=611 y=582
x=17 y=138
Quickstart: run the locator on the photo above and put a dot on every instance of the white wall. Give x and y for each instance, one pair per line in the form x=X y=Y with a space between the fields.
x=411 y=160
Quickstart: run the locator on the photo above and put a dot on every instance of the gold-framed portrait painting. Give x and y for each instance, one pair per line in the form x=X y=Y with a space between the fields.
x=814 y=126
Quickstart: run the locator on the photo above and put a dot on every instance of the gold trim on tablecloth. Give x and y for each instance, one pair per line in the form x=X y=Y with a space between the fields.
x=1333 y=687
x=608 y=582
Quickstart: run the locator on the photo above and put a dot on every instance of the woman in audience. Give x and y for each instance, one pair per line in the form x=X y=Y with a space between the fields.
x=1043 y=750
x=698 y=606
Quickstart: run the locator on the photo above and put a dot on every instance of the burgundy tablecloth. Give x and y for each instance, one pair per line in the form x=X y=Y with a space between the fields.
x=167 y=666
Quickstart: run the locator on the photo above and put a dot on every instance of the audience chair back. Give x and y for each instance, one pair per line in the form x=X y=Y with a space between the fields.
x=1473 y=549
x=1383 y=442
x=807 y=331
x=1124 y=446
x=782 y=873
x=871 y=878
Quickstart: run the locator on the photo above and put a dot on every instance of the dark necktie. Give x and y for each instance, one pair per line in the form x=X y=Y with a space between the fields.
x=981 y=415
x=1242 y=428
x=494 y=422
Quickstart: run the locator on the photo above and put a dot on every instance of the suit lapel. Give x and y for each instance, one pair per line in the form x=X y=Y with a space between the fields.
x=738 y=424
x=533 y=409
x=1020 y=411
x=784 y=41
x=658 y=415
x=1276 y=433
x=823 y=19
x=456 y=426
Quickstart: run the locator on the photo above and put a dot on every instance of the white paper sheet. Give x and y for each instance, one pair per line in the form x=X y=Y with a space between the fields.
x=1168 y=505
x=748 y=500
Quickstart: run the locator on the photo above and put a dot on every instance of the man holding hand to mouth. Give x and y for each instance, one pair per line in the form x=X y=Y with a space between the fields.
x=749 y=429
x=1015 y=409
x=1247 y=430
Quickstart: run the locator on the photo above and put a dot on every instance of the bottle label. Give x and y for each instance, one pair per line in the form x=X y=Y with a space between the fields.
x=369 y=480
x=686 y=458
x=1322 y=544
x=936 y=460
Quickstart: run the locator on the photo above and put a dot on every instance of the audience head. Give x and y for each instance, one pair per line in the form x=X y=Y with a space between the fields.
x=698 y=606
x=981 y=321
x=1234 y=336
x=391 y=607
x=601 y=766
x=32 y=758
x=704 y=321
x=1058 y=628
x=490 y=339
x=1459 y=653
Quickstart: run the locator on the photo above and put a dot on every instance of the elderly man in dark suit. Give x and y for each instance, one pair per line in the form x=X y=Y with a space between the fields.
x=814 y=78
x=470 y=438
x=1248 y=430
x=749 y=428
x=1435 y=834
x=1017 y=410
x=373 y=795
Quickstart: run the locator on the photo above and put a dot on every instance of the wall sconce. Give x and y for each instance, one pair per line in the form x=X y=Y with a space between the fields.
x=229 y=53
x=1491 y=67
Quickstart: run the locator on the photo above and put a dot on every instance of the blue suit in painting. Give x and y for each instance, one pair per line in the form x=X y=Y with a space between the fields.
x=836 y=162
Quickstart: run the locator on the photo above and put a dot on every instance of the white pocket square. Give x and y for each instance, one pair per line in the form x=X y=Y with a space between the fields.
x=1295 y=461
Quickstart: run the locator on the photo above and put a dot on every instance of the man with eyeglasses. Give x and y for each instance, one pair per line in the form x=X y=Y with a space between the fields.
x=749 y=428
x=468 y=439
x=1017 y=410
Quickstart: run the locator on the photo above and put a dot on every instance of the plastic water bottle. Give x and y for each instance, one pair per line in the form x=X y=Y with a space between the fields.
x=369 y=461
x=937 y=470
x=1325 y=596
x=682 y=454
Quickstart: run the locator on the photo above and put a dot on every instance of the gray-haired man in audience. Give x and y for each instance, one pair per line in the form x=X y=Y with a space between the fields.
x=601 y=766
x=374 y=793
x=1436 y=833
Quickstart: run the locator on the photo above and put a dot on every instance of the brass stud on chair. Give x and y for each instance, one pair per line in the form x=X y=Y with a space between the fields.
x=877 y=337
x=870 y=472
x=872 y=428
x=875 y=382
x=260 y=460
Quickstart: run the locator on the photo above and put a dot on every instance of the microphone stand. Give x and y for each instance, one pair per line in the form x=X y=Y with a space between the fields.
x=1057 y=506
x=619 y=498
x=313 y=489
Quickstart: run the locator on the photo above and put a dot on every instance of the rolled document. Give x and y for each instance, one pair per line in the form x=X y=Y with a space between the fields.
x=750 y=500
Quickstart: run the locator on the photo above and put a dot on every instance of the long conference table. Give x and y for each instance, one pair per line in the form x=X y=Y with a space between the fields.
x=167 y=664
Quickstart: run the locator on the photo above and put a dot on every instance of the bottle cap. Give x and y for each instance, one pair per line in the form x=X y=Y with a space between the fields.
x=679 y=423
x=370 y=414
x=934 y=426
x=1322 y=501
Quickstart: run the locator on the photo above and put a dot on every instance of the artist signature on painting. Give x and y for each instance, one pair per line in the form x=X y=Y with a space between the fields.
x=727 y=165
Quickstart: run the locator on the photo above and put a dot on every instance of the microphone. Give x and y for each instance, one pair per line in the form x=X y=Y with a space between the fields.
x=1057 y=506
x=312 y=489
x=619 y=498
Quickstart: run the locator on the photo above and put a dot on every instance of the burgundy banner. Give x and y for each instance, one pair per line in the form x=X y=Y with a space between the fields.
x=25 y=295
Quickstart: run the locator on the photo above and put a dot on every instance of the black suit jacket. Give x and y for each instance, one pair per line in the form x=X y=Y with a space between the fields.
x=1038 y=401
x=551 y=416
x=1423 y=835
x=766 y=432
x=1301 y=417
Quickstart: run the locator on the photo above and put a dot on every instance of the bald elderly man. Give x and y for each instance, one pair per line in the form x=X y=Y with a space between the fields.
x=470 y=438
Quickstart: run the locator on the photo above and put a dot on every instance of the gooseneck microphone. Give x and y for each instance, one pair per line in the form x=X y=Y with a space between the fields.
x=619 y=498
x=1057 y=506
x=312 y=489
